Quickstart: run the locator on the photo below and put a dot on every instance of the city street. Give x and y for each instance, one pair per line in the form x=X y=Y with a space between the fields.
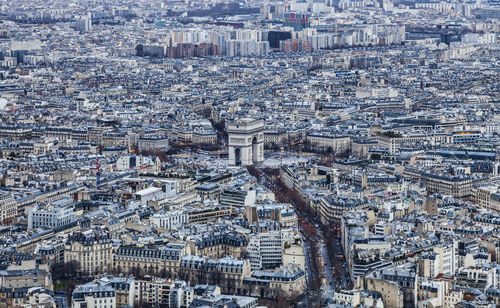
x=333 y=273
x=329 y=287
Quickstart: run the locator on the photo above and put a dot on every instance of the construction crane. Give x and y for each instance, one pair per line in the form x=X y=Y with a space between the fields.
x=98 y=173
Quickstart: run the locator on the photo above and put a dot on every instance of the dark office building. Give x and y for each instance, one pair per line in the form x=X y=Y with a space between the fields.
x=274 y=38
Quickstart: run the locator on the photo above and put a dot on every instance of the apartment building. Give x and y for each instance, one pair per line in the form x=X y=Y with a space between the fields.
x=8 y=207
x=57 y=214
x=93 y=295
x=265 y=250
x=170 y=219
x=92 y=250
x=487 y=196
x=164 y=259
x=459 y=186
x=220 y=244
x=329 y=143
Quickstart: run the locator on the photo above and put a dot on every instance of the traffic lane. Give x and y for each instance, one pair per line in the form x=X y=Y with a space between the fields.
x=330 y=286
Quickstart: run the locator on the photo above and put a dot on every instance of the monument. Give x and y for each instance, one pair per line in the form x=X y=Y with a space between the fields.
x=246 y=142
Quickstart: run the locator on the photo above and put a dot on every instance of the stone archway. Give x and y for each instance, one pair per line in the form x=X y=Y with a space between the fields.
x=246 y=142
x=237 y=157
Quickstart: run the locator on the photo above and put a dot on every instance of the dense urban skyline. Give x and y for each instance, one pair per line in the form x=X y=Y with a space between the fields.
x=240 y=154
